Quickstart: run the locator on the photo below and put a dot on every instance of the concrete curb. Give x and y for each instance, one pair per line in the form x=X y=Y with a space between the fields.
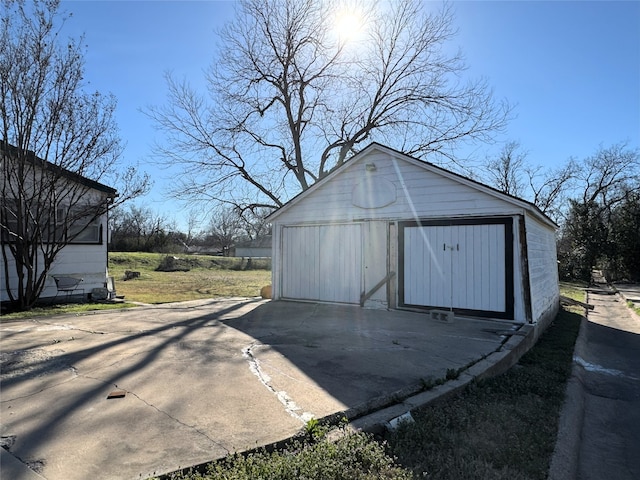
x=12 y=467
x=564 y=461
x=624 y=299
x=493 y=365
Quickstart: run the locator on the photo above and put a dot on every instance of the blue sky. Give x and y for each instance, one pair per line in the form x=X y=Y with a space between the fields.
x=572 y=69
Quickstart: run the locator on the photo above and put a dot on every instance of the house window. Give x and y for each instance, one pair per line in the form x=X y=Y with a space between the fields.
x=82 y=228
x=76 y=225
x=8 y=219
x=88 y=234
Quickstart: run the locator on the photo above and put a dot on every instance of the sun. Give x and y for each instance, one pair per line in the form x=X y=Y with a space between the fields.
x=348 y=24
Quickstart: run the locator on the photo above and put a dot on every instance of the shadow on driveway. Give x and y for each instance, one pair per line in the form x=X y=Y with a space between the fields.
x=206 y=378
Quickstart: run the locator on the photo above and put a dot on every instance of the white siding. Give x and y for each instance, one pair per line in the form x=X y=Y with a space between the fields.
x=543 y=268
x=375 y=262
x=420 y=194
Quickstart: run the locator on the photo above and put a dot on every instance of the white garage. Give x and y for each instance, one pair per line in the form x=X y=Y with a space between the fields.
x=386 y=230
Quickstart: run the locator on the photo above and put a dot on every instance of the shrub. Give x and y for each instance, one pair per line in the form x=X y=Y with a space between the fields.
x=173 y=264
x=352 y=457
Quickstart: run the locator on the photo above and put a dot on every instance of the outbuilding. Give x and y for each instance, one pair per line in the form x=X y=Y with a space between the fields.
x=386 y=230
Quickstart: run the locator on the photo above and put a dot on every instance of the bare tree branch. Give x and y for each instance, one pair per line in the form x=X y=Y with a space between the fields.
x=289 y=99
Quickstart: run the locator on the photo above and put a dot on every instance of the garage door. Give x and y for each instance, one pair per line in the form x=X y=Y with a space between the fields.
x=466 y=265
x=322 y=263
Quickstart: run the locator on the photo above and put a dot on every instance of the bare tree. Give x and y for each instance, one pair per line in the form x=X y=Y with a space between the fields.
x=224 y=227
x=138 y=228
x=58 y=143
x=290 y=98
x=194 y=221
x=505 y=172
x=254 y=223
x=609 y=174
x=548 y=189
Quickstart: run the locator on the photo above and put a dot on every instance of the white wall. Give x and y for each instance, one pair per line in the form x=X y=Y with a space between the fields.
x=543 y=268
x=376 y=268
x=419 y=194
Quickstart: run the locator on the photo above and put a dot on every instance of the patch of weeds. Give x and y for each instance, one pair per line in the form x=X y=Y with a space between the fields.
x=314 y=430
x=352 y=457
x=633 y=307
x=452 y=373
x=431 y=383
x=174 y=264
x=427 y=383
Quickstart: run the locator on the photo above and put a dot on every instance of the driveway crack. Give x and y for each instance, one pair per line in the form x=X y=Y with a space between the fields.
x=70 y=327
x=167 y=414
x=177 y=420
x=71 y=369
x=289 y=405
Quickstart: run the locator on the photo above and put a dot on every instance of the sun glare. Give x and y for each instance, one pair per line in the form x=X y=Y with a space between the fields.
x=348 y=24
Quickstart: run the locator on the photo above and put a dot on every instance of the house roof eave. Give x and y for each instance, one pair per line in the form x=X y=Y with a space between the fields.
x=110 y=192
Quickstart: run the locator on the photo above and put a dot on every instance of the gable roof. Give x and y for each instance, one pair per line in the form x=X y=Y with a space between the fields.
x=533 y=209
x=63 y=172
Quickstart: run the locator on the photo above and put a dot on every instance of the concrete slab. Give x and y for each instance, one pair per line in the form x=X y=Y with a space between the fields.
x=206 y=378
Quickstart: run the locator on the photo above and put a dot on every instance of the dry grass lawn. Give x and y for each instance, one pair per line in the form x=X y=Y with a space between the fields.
x=208 y=277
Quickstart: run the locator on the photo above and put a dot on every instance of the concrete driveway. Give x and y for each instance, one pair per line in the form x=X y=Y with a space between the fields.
x=203 y=379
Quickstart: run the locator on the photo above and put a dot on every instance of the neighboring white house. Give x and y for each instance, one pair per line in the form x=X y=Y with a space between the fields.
x=257 y=248
x=85 y=256
x=386 y=230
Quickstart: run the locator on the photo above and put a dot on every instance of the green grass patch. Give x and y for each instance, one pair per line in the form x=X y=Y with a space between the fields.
x=633 y=307
x=194 y=277
x=574 y=290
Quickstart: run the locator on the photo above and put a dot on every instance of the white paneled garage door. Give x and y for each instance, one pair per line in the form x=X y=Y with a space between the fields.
x=466 y=266
x=322 y=263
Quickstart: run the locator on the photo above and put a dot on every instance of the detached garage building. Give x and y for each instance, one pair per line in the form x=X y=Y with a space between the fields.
x=386 y=230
